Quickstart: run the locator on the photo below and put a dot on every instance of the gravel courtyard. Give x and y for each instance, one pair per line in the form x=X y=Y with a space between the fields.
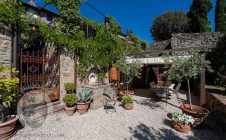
x=150 y=120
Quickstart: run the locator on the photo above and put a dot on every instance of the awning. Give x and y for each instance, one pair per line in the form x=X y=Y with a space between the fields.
x=151 y=60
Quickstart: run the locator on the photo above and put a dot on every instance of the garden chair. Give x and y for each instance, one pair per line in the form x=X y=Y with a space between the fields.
x=110 y=101
x=176 y=91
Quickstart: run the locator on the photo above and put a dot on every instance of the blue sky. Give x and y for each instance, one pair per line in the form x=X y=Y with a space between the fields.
x=137 y=14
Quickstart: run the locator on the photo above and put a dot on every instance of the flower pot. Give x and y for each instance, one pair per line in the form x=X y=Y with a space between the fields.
x=126 y=93
x=198 y=113
x=82 y=107
x=128 y=106
x=70 y=110
x=8 y=128
x=181 y=126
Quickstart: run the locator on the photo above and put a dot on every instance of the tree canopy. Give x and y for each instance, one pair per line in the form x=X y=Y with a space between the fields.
x=198 y=16
x=220 y=16
x=166 y=24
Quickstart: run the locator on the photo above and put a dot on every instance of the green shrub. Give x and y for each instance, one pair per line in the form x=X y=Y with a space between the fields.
x=69 y=87
x=70 y=100
x=84 y=95
x=127 y=100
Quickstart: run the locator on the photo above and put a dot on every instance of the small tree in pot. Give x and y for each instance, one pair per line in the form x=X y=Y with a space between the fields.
x=8 y=92
x=70 y=102
x=84 y=98
x=130 y=70
x=185 y=68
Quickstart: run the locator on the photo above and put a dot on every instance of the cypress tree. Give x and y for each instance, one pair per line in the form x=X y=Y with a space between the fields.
x=198 y=16
x=220 y=16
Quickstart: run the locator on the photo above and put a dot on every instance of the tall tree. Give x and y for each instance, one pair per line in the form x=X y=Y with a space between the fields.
x=198 y=16
x=166 y=24
x=220 y=16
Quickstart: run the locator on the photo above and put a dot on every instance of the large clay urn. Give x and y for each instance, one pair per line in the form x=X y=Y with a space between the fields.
x=114 y=74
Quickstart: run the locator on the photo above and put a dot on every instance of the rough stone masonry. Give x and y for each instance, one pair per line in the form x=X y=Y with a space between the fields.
x=5 y=50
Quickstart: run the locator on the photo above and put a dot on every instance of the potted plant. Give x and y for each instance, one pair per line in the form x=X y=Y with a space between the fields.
x=185 y=68
x=8 y=92
x=130 y=70
x=127 y=102
x=70 y=102
x=182 y=122
x=69 y=88
x=84 y=98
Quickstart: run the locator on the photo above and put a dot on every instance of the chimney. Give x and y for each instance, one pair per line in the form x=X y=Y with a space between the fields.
x=107 y=22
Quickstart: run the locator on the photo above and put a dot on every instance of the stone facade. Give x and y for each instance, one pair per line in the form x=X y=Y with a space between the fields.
x=217 y=106
x=100 y=94
x=5 y=50
x=67 y=70
x=185 y=40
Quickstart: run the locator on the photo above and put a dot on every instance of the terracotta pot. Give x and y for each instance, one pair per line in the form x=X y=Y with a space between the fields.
x=70 y=110
x=126 y=93
x=181 y=126
x=8 y=129
x=128 y=106
x=198 y=113
x=82 y=107
x=114 y=74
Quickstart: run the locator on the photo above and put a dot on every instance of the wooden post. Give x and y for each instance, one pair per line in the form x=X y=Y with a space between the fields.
x=202 y=88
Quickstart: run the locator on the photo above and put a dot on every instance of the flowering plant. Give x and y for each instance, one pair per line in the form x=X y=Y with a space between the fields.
x=177 y=117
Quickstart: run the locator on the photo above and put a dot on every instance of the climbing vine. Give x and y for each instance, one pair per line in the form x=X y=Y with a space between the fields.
x=93 y=43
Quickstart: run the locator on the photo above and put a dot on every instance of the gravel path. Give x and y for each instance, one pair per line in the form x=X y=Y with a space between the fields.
x=148 y=121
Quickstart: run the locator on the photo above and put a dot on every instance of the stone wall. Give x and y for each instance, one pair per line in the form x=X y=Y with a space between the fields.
x=217 y=106
x=5 y=50
x=160 y=45
x=195 y=39
x=67 y=71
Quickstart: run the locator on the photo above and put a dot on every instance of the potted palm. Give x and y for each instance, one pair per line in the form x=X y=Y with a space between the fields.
x=70 y=102
x=8 y=92
x=84 y=98
x=127 y=102
x=181 y=68
x=130 y=70
x=182 y=122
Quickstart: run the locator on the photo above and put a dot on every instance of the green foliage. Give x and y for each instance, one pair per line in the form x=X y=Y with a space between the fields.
x=198 y=16
x=69 y=87
x=181 y=67
x=220 y=16
x=166 y=24
x=127 y=100
x=130 y=70
x=217 y=57
x=70 y=100
x=8 y=88
x=69 y=36
x=84 y=95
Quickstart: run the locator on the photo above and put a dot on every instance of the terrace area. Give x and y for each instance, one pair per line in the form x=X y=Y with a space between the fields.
x=149 y=120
